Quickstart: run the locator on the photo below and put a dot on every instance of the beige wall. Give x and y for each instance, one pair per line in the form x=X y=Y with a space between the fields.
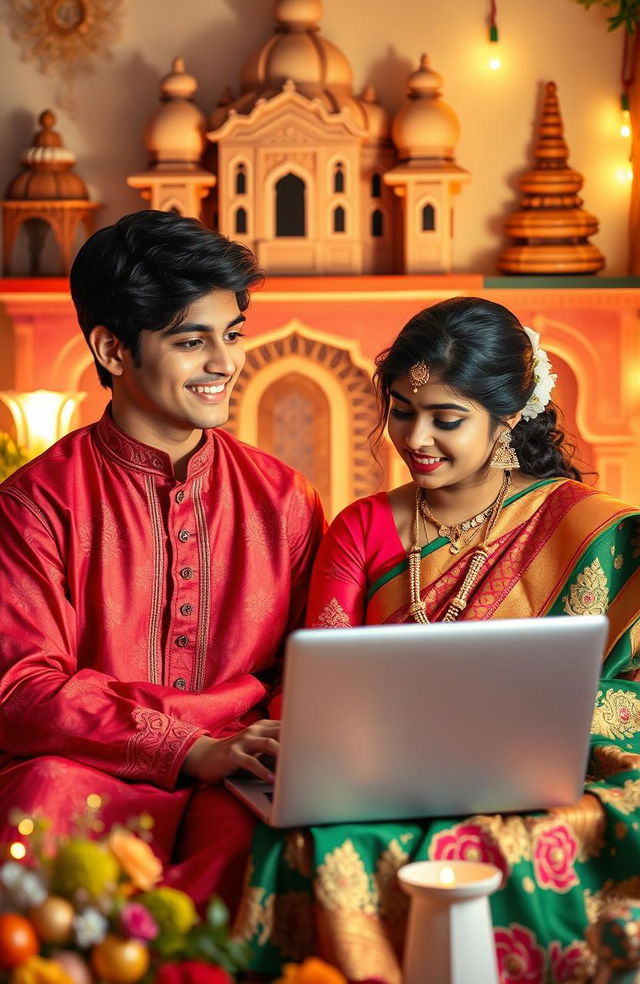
x=545 y=40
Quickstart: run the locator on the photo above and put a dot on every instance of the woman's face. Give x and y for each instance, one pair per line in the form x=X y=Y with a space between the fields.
x=444 y=438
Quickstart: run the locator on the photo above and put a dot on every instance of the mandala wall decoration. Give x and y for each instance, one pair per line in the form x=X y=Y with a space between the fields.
x=63 y=36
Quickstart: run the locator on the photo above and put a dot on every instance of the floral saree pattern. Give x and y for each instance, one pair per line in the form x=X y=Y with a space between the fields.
x=560 y=549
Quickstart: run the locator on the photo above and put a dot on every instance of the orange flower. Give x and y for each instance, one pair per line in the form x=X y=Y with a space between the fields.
x=312 y=971
x=136 y=858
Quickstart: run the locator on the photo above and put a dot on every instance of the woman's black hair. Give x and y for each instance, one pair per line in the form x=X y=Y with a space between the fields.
x=480 y=349
x=143 y=273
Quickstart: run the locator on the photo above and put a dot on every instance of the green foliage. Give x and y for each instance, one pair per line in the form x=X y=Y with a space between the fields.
x=626 y=13
x=11 y=456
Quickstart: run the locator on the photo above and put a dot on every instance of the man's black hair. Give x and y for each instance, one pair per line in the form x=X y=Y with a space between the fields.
x=143 y=273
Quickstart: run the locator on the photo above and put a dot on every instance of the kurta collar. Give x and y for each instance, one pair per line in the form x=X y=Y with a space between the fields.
x=134 y=454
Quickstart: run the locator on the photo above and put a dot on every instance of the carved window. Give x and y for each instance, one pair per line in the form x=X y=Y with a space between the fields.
x=241 y=181
x=339 y=219
x=241 y=220
x=294 y=425
x=377 y=223
x=376 y=186
x=428 y=218
x=290 y=206
x=338 y=178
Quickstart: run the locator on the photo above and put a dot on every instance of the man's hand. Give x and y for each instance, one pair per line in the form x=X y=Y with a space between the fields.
x=211 y=759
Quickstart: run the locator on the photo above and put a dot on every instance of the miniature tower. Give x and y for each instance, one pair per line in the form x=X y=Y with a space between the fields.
x=379 y=215
x=425 y=131
x=175 y=141
x=46 y=195
x=289 y=158
x=551 y=229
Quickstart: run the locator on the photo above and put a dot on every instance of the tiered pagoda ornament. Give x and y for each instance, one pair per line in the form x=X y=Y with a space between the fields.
x=302 y=163
x=46 y=195
x=175 y=141
x=550 y=232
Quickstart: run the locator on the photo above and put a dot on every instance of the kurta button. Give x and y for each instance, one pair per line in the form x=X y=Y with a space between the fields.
x=180 y=683
x=183 y=535
x=179 y=496
x=186 y=573
x=186 y=609
x=182 y=640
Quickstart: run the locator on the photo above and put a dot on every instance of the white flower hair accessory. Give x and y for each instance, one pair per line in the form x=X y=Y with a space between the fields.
x=545 y=379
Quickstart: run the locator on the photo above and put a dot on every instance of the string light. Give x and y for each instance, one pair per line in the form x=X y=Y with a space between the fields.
x=495 y=61
x=17 y=851
x=625 y=121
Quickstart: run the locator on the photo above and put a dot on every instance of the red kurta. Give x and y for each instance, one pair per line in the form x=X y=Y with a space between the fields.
x=139 y=612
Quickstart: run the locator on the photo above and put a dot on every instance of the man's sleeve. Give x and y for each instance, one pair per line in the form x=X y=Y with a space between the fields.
x=48 y=704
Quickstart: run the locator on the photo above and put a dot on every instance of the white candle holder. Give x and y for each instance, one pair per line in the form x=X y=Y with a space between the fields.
x=450 y=934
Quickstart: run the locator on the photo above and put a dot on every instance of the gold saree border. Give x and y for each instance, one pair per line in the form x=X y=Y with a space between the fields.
x=537 y=533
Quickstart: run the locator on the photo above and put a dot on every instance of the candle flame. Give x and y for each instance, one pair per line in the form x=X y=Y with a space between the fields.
x=447 y=876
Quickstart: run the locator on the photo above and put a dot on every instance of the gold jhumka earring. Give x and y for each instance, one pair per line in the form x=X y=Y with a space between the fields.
x=418 y=376
x=504 y=455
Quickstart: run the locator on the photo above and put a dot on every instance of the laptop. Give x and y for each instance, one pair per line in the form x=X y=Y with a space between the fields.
x=395 y=722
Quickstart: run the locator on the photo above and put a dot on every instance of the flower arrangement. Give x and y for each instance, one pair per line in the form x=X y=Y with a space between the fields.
x=80 y=909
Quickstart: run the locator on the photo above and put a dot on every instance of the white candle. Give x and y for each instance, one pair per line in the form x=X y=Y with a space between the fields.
x=450 y=935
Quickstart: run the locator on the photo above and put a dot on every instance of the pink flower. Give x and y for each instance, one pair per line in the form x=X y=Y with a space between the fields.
x=570 y=963
x=137 y=922
x=520 y=959
x=468 y=842
x=555 y=851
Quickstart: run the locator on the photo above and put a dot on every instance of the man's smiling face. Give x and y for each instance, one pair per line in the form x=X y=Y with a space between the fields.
x=183 y=378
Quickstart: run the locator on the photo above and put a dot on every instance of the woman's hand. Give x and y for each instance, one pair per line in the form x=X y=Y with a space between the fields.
x=211 y=759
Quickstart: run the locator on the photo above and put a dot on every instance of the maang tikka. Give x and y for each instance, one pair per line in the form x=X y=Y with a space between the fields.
x=418 y=376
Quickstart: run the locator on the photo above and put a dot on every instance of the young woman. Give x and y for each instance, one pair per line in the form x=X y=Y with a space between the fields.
x=495 y=523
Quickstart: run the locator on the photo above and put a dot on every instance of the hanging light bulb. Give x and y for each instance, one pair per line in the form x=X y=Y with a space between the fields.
x=625 y=119
x=494 y=61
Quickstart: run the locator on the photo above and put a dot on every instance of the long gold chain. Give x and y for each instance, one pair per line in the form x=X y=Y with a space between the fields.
x=417 y=608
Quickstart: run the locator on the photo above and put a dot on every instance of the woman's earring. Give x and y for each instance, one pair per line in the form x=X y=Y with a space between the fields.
x=504 y=455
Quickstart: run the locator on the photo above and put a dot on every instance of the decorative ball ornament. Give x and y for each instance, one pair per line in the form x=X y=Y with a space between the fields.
x=74 y=966
x=53 y=920
x=18 y=940
x=119 y=961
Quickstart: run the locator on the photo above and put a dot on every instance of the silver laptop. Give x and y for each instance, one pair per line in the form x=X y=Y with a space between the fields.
x=398 y=721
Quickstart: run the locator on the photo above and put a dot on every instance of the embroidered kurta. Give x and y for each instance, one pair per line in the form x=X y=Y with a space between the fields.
x=559 y=548
x=140 y=612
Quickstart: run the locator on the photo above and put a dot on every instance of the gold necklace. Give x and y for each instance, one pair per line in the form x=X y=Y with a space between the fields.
x=417 y=608
x=453 y=532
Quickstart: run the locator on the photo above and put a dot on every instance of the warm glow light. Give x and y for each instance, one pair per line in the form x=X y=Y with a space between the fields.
x=625 y=125
x=18 y=851
x=41 y=416
x=94 y=802
x=447 y=876
x=624 y=174
x=495 y=61
x=25 y=827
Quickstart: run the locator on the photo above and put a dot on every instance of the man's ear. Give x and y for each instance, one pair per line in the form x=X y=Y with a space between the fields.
x=107 y=349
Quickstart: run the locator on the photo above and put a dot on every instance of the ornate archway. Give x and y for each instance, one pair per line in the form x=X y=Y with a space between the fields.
x=323 y=376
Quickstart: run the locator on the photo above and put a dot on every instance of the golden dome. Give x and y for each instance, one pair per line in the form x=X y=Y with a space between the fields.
x=298 y=52
x=378 y=121
x=175 y=134
x=47 y=164
x=425 y=127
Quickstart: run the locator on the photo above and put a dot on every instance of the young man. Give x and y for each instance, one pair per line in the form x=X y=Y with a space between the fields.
x=151 y=565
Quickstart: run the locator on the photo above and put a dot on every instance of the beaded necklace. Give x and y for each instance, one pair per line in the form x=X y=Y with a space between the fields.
x=417 y=609
x=454 y=532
